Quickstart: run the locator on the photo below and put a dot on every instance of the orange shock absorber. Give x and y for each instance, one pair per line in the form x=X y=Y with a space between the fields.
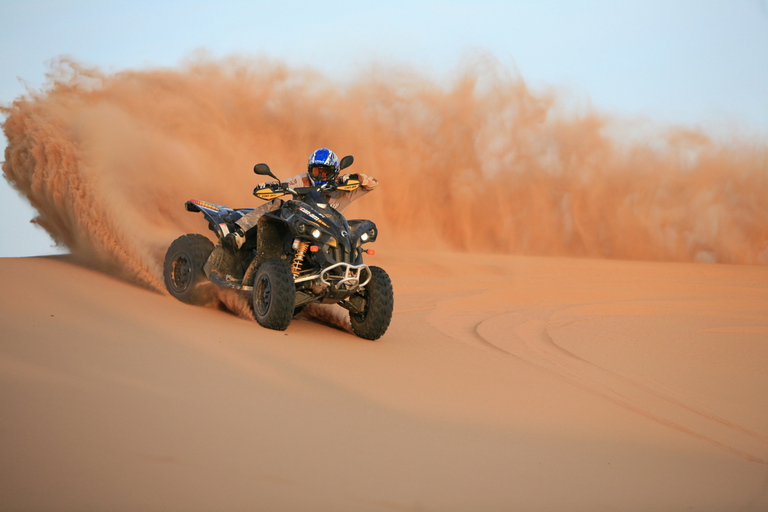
x=298 y=259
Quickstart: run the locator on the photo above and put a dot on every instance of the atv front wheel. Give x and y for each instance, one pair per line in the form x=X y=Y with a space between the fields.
x=183 y=268
x=378 y=301
x=274 y=294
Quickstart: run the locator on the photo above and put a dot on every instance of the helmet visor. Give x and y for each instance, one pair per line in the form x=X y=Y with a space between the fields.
x=321 y=173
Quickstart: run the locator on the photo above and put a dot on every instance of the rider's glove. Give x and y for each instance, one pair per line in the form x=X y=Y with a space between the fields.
x=268 y=184
x=345 y=179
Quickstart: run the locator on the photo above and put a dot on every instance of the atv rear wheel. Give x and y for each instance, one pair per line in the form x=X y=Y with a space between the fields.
x=378 y=301
x=274 y=294
x=183 y=269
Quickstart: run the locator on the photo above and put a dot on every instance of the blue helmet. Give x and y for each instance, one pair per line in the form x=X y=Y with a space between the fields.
x=323 y=166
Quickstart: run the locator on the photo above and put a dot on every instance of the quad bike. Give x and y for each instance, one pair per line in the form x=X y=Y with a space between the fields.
x=301 y=253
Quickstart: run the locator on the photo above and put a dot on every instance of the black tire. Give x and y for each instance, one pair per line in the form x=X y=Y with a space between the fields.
x=379 y=301
x=274 y=294
x=183 y=269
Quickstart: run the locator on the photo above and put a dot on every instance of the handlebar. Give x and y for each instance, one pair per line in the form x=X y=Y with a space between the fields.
x=271 y=192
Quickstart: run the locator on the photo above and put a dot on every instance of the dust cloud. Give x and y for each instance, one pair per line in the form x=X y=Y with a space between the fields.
x=480 y=163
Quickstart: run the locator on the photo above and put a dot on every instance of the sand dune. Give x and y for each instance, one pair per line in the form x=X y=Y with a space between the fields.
x=503 y=383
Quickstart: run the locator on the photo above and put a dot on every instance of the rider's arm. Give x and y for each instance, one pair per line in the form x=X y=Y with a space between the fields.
x=300 y=180
x=366 y=182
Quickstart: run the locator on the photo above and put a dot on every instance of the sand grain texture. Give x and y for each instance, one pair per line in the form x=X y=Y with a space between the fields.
x=504 y=383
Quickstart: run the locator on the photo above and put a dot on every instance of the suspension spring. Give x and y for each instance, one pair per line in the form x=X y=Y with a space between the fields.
x=298 y=259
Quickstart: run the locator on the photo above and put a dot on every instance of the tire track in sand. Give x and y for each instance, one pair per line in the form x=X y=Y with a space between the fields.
x=527 y=337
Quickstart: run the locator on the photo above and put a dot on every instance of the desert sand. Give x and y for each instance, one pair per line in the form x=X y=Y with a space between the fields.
x=580 y=324
x=503 y=383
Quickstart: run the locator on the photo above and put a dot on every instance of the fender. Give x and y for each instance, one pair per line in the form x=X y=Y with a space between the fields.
x=217 y=215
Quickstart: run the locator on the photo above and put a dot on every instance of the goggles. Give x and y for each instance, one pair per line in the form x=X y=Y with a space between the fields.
x=320 y=173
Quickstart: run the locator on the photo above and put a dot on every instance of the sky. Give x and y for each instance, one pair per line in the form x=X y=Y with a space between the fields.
x=698 y=63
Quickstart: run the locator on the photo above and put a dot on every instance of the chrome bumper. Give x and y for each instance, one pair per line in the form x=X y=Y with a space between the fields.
x=341 y=276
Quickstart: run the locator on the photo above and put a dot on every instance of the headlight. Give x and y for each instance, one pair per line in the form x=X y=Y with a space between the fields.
x=364 y=237
x=316 y=233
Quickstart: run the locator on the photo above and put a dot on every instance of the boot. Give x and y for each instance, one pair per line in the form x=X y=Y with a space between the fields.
x=234 y=240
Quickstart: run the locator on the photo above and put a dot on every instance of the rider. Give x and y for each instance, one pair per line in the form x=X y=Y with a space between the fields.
x=322 y=168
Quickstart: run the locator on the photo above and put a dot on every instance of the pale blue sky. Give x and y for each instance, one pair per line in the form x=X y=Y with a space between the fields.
x=696 y=63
